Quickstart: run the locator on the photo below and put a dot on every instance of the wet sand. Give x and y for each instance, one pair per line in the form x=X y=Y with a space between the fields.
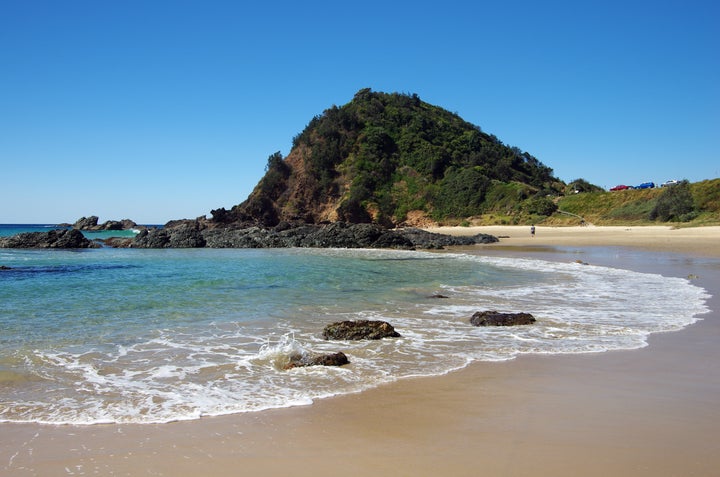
x=647 y=412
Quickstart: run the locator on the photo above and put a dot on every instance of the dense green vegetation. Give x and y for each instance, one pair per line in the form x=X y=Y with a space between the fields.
x=381 y=156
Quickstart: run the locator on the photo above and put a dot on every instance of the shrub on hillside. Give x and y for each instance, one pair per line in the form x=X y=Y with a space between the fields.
x=581 y=185
x=540 y=206
x=675 y=204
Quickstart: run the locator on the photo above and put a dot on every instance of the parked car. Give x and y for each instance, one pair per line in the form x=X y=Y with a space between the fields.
x=669 y=183
x=620 y=187
x=646 y=185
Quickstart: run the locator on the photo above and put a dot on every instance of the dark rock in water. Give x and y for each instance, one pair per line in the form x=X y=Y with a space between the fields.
x=172 y=224
x=331 y=359
x=336 y=235
x=251 y=237
x=91 y=224
x=51 y=239
x=128 y=224
x=429 y=240
x=117 y=242
x=86 y=223
x=494 y=318
x=438 y=296
x=183 y=236
x=345 y=235
x=3 y=267
x=112 y=225
x=359 y=330
x=196 y=233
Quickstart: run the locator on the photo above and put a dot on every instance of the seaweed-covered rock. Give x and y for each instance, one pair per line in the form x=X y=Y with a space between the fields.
x=494 y=318
x=360 y=330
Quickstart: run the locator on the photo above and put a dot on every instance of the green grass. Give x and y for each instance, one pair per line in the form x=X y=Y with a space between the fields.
x=634 y=206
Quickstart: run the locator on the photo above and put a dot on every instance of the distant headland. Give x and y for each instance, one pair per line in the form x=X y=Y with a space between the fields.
x=359 y=174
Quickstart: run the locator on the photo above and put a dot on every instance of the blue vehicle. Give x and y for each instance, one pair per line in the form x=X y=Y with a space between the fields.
x=646 y=185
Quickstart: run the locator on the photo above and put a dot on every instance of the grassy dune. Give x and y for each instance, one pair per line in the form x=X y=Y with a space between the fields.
x=634 y=206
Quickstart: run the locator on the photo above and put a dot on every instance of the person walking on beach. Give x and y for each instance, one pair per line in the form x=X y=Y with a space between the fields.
x=532 y=230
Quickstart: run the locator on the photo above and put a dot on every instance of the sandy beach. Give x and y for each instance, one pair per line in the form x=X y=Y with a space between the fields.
x=647 y=412
x=694 y=240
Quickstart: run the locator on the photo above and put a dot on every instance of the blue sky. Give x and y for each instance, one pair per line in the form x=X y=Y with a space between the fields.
x=159 y=110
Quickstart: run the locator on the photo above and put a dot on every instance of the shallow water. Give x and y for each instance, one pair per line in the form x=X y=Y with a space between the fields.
x=118 y=335
x=7 y=230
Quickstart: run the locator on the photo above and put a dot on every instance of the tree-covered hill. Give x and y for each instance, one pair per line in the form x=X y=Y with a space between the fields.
x=383 y=156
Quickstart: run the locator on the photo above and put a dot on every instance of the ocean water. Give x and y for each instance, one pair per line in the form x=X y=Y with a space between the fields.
x=153 y=336
x=13 y=229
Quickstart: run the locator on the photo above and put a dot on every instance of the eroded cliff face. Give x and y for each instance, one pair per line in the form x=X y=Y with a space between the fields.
x=304 y=199
x=298 y=196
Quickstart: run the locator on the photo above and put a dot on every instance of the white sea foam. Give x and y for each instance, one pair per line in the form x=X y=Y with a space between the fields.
x=180 y=374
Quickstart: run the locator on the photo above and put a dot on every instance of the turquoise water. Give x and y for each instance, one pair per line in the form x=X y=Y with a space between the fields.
x=125 y=335
x=14 y=229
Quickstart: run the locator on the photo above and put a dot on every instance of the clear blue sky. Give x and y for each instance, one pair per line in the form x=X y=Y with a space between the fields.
x=158 y=110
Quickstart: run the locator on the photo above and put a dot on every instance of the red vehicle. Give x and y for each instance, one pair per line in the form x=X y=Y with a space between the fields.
x=620 y=187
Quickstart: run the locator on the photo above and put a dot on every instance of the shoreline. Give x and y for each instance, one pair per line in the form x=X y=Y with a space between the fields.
x=651 y=411
x=694 y=240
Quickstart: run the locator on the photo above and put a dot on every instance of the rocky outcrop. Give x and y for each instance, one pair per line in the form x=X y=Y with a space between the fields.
x=331 y=359
x=494 y=318
x=91 y=224
x=429 y=240
x=196 y=233
x=187 y=235
x=200 y=233
x=125 y=224
x=86 y=223
x=60 y=238
x=116 y=242
x=359 y=330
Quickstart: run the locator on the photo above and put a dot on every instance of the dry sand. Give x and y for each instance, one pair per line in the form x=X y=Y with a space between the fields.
x=695 y=240
x=649 y=412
